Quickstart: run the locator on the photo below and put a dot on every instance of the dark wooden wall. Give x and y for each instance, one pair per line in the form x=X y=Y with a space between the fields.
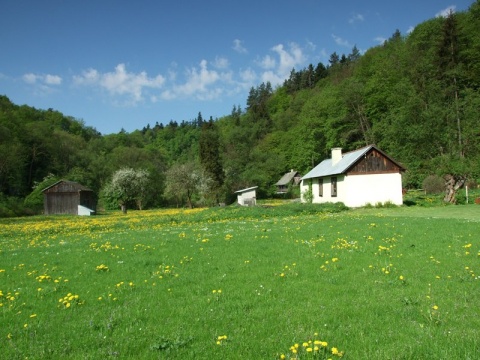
x=374 y=162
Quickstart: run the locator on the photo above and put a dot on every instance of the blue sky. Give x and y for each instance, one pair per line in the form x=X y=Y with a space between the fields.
x=125 y=64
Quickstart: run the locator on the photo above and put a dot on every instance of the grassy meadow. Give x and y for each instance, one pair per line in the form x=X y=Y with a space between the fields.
x=271 y=282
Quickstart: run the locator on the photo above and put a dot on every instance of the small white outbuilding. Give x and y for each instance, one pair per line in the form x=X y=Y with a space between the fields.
x=356 y=178
x=247 y=197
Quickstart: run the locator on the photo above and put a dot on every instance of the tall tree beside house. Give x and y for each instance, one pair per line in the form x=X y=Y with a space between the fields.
x=209 y=146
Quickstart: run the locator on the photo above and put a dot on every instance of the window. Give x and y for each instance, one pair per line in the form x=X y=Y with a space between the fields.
x=334 y=186
x=320 y=187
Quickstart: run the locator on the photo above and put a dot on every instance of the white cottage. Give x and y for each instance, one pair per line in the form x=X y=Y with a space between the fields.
x=247 y=197
x=356 y=178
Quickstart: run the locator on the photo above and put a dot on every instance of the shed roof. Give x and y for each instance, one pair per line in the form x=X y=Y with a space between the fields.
x=287 y=178
x=325 y=168
x=245 y=190
x=69 y=186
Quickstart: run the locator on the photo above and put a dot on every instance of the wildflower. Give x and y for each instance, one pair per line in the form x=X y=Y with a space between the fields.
x=33 y=315
x=435 y=307
x=221 y=339
x=401 y=277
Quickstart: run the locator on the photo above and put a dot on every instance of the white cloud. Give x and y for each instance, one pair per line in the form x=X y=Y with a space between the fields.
x=88 y=77
x=221 y=63
x=238 y=46
x=380 y=39
x=289 y=59
x=201 y=84
x=121 y=82
x=48 y=79
x=340 y=41
x=248 y=76
x=311 y=46
x=30 y=78
x=52 y=79
x=445 y=12
x=356 y=18
x=410 y=29
x=267 y=62
x=273 y=78
x=277 y=70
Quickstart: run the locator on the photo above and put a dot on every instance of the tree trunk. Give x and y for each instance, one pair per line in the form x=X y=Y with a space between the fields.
x=452 y=184
x=124 y=208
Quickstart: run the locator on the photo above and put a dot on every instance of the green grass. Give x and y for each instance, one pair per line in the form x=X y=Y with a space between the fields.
x=393 y=283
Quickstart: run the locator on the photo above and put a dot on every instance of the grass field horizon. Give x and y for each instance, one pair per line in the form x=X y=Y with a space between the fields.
x=291 y=281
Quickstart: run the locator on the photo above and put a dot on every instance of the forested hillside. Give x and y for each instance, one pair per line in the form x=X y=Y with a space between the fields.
x=416 y=97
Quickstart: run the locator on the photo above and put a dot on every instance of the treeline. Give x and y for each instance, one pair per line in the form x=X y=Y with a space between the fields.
x=416 y=96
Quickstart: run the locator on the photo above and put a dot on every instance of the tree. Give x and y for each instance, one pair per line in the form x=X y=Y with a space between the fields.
x=186 y=181
x=209 y=144
x=354 y=55
x=334 y=59
x=127 y=185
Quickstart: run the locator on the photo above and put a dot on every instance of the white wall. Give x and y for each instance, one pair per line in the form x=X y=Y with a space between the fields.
x=327 y=189
x=251 y=194
x=373 y=189
x=359 y=190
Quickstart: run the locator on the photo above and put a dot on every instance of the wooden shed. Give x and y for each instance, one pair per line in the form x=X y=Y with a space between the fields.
x=291 y=178
x=247 y=197
x=68 y=197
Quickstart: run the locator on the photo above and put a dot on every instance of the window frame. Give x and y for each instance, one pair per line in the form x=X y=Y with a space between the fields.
x=334 y=187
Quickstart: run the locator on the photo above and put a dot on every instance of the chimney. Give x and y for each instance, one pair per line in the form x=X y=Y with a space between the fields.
x=336 y=155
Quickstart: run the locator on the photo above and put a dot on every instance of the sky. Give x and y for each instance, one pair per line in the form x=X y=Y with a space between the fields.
x=116 y=64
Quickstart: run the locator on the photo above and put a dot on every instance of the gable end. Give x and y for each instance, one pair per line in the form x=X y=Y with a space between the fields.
x=374 y=162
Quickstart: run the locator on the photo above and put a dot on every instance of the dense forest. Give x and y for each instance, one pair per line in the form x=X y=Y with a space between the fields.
x=416 y=97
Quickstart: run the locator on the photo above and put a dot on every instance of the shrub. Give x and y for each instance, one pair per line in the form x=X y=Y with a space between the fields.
x=433 y=184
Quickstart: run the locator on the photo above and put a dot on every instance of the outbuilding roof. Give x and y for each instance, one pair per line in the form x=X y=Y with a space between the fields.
x=67 y=186
x=287 y=178
x=325 y=168
x=245 y=190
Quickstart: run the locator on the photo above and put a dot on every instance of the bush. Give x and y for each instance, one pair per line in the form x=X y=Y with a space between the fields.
x=34 y=201
x=308 y=196
x=433 y=184
x=12 y=207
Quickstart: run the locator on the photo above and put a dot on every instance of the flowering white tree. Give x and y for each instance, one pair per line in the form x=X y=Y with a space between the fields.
x=186 y=181
x=127 y=185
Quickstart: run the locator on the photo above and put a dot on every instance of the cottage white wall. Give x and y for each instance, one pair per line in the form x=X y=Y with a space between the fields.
x=327 y=190
x=372 y=189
